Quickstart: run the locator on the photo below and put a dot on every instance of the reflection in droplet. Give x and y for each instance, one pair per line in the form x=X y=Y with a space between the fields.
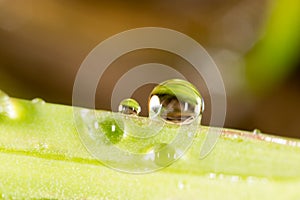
x=129 y=107
x=176 y=101
x=6 y=106
x=38 y=101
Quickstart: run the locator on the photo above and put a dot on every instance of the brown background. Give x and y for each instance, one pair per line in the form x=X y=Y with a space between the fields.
x=43 y=43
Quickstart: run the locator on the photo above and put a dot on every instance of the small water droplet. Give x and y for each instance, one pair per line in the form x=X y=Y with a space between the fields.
x=6 y=106
x=129 y=107
x=256 y=131
x=96 y=125
x=38 y=101
x=113 y=130
x=212 y=175
x=221 y=176
x=41 y=146
x=176 y=101
x=180 y=185
x=164 y=154
x=45 y=146
x=235 y=178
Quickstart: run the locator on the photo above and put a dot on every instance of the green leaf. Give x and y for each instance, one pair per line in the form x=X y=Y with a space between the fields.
x=42 y=156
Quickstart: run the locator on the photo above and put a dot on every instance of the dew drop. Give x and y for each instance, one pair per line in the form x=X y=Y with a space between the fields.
x=212 y=176
x=164 y=154
x=113 y=130
x=176 y=101
x=41 y=146
x=38 y=101
x=6 y=106
x=256 y=131
x=180 y=185
x=96 y=125
x=234 y=178
x=129 y=107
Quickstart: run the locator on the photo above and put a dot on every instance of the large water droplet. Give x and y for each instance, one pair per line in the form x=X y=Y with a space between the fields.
x=176 y=101
x=6 y=106
x=129 y=107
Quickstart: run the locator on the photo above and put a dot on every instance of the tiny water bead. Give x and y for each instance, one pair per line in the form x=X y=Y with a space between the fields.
x=129 y=107
x=256 y=131
x=112 y=128
x=38 y=101
x=6 y=106
x=181 y=185
x=176 y=101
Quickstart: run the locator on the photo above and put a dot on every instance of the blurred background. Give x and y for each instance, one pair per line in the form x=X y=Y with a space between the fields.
x=255 y=43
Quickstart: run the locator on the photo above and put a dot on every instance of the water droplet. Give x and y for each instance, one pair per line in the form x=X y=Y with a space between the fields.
x=96 y=125
x=221 y=176
x=212 y=175
x=176 y=101
x=41 y=146
x=164 y=154
x=180 y=185
x=6 y=106
x=256 y=131
x=38 y=101
x=113 y=130
x=129 y=107
x=235 y=178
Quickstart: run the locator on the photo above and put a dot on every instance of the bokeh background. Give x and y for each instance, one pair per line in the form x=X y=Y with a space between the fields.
x=255 y=43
